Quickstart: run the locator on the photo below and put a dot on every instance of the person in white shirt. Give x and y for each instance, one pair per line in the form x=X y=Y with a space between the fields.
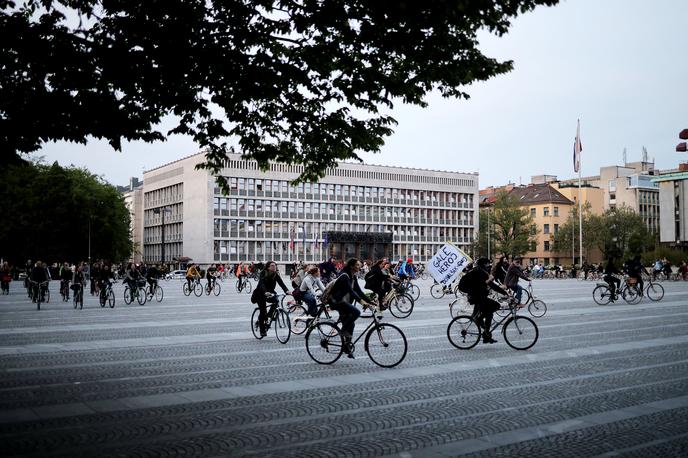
x=310 y=286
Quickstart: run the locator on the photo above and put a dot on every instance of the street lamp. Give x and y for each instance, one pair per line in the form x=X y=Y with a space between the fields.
x=162 y=211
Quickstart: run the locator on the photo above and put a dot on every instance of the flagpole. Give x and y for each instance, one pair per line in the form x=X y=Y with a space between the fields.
x=580 y=201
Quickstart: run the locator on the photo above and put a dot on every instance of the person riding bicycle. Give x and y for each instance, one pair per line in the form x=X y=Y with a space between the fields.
x=152 y=276
x=344 y=292
x=512 y=276
x=192 y=275
x=327 y=270
x=666 y=268
x=379 y=281
x=609 y=276
x=309 y=287
x=39 y=274
x=406 y=270
x=241 y=273
x=499 y=269
x=131 y=277
x=65 y=278
x=78 y=280
x=476 y=284
x=6 y=277
x=104 y=276
x=211 y=276
x=635 y=270
x=267 y=281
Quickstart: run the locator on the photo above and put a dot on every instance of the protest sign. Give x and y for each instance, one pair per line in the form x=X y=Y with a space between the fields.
x=447 y=264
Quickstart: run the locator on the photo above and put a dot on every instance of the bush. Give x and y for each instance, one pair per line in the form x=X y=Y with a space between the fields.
x=674 y=256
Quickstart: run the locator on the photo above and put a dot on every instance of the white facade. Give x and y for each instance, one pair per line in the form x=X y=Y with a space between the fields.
x=414 y=210
x=673 y=199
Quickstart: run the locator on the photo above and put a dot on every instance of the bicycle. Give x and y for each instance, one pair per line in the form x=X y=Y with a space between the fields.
x=107 y=296
x=78 y=296
x=197 y=288
x=384 y=343
x=64 y=290
x=519 y=332
x=439 y=290
x=139 y=294
x=654 y=291
x=154 y=291
x=536 y=307
x=405 y=286
x=276 y=315
x=629 y=292
x=243 y=284
x=215 y=289
x=39 y=292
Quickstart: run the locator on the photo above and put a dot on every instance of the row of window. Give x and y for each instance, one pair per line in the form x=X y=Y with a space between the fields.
x=162 y=196
x=345 y=172
x=545 y=211
x=346 y=191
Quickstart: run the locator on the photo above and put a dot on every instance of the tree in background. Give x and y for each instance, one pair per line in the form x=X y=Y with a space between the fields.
x=46 y=210
x=294 y=81
x=569 y=235
x=514 y=228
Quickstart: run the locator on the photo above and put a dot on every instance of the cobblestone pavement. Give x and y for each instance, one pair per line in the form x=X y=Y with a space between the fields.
x=185 y=377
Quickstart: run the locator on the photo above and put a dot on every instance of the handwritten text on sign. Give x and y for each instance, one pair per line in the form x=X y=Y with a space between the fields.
x=447 y=264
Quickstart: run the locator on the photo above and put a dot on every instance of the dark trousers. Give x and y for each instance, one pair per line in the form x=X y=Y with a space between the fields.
x=613 y=282
x=263 y=307
x=348 y=314
x=309 y=299
x=486 y=308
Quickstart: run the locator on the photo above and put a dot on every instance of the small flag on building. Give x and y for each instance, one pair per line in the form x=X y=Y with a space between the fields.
x=292 y=236
x=577 y=148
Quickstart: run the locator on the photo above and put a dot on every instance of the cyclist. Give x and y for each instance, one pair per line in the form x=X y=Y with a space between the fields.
x=379 y=281
x=94 y=275
x=78 y=280
x=240 y=275
x=210 y=276
x=328 y=270
x=65 y=278
x=267 y=281
x=406 y=270
x=192 y=274
x=499 y=269
x=39 y=274
x=344 y=292
x=512 y=276
x=613 y=282
x=476 y=285
x=152 y=276
x=635 y=270
x=131 y=276
x=309 y=287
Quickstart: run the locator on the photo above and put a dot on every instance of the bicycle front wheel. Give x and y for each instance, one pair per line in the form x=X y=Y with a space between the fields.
x=141 y=297
x=324 y=343
x=111 y=299
x=159 y=294
x=601 y=295
x=437 y=290
x=414 y=292
x=463 y=332
x=296 y=314
x=654 y=292
x=255 y=324
x=386 y=345
x=282 y=326
x=520 y=333
x=537 y=308
x=217 y=289
x=401 y=305
x=127 y=295
x=198 y=289
x=248 y=287
x=460 y=306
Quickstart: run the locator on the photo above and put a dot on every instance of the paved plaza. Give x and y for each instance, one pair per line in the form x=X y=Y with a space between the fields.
x=185 y=377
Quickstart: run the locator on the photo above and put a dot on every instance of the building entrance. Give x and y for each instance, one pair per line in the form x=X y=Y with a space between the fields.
x=361 y=245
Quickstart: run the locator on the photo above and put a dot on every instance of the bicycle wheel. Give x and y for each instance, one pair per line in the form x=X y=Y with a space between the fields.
x=248 y=287
x=127 y=296
x=537 y=308
x=237 y=286
x=654 y=292
x=630 y=295
x=601 y=295
x=386 y=345
x=186 y=290
x=102 y=299
x=198 y=289
x=255 y=324
x=216 y=289
x=460 y=306
x=47 y=294
x=282 y=326
x=324 y=343
x=296 y=313
x=526 y=297
x=520 y=333
x=414 y=291
x=159 y=294
x=111 y=299
x=463 y=332
x=141 y=296
x=401 y=305
x=287 y=301
x=437 y=290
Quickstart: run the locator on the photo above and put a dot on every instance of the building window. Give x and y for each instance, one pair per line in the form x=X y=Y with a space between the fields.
x=532 y=212
x=556 y=228
x=556 y=211
x=545 y=211
x=533 y=246
x=546 y=245
x=546 y=229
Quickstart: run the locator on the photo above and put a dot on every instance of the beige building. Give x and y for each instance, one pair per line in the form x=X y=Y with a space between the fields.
x=673 y=198
x=359 y=210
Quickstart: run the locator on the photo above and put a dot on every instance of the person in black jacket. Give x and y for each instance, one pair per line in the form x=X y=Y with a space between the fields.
x=378 y=281
x=344 y=292
x=267 y=281
x=613 y=282
x=478 y=282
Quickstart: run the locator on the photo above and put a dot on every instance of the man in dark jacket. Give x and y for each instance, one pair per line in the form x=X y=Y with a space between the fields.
x=378 y=281
x=613 y=282
x=477 y=284
x=512 y=276
x=267 y=281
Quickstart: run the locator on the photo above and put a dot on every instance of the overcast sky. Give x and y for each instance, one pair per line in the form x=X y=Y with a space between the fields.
x=621 y=66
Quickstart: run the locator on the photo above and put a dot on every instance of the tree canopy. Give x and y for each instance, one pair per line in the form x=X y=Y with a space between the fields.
x=46 y=210
x=510 y=227
x=294 y=81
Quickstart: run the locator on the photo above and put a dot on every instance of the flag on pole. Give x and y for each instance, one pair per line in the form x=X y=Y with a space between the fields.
x=577 y=148
x=304 y=235
x=325 y=242
x=292 y=236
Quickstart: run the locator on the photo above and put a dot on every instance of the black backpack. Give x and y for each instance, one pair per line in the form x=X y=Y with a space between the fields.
x=467 y=284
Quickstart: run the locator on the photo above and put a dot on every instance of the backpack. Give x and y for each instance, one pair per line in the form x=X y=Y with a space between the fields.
x=466 y=284
x=326 y=295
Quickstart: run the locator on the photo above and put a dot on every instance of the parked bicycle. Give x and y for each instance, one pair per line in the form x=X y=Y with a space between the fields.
x=519 y=332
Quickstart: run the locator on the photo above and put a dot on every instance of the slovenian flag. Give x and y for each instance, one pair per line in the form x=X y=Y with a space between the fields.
x=577 y=148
